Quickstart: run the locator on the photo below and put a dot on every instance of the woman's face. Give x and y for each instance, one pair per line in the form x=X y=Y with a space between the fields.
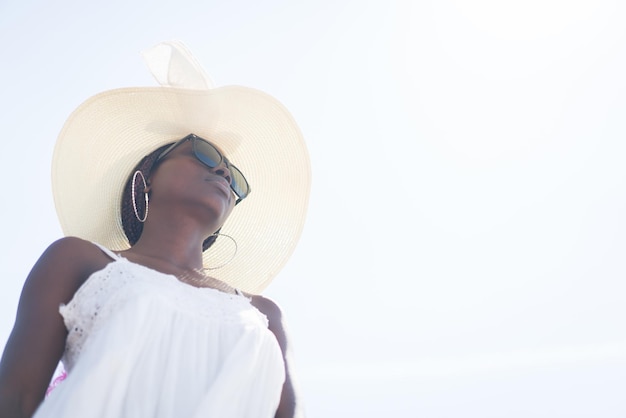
x=183 y=182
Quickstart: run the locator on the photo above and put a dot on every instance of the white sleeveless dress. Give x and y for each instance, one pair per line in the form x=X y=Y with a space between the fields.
x=143 y=344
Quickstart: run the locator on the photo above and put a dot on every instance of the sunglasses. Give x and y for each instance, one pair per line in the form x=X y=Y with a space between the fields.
x=207 y=154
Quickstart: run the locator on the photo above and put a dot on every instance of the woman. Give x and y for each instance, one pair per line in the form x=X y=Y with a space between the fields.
x=180 y=204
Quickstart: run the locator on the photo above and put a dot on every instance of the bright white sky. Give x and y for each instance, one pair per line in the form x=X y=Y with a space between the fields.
x=464 y=252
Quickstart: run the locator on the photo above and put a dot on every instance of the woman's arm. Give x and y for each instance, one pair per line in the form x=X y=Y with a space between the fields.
x=290 y=404
x=37 y=340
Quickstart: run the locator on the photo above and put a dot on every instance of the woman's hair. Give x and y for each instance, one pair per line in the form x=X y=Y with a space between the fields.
x=132 y=226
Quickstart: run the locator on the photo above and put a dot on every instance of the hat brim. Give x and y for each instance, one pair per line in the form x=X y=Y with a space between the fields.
x=105 y=137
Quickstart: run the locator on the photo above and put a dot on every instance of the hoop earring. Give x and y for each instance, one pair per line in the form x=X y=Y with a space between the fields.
x=230 y=259
x=145 y=185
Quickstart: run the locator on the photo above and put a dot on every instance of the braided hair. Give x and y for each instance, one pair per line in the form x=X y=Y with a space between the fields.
x=132 y=226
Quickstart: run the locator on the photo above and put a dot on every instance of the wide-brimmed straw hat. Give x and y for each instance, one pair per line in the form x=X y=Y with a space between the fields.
x=107 y=135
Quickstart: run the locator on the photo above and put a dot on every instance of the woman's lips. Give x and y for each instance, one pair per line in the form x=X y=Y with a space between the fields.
x=221 y=183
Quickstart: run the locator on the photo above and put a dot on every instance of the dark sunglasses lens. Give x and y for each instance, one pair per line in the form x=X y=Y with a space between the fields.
x=206 y=153
x=239 y=183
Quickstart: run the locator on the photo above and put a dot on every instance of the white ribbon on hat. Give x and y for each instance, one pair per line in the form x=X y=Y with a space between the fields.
x=173 y=65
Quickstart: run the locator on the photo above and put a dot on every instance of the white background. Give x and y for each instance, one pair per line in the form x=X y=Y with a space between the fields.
x=464 y=250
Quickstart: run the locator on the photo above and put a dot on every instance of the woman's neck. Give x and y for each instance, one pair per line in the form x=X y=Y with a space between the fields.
x=174 y=243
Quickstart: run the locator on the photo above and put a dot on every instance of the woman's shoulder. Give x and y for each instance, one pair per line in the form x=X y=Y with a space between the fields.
x=77 y=251
x=69 y=261
x=264 y=303
x=275 y=319
x=73 y=245
x=267 y=306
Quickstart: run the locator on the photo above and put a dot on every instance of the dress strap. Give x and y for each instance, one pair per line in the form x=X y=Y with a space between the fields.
x=107 y=251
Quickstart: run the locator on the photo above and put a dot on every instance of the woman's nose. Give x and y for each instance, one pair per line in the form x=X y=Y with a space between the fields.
x=222 y=170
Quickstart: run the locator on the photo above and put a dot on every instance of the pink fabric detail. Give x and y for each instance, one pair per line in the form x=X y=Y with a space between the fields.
x=56 y=382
